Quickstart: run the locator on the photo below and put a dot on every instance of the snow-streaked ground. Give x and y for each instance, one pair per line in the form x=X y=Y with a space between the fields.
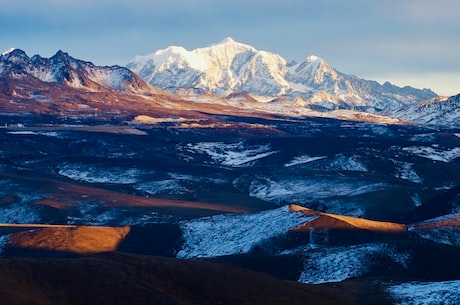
x=445 y=235
x=336 y=264
x=443 y=230
x=231 y=154
x=338 y=162
x=169 y=186
x=344 y=163
x=20 y=213
x=302 y=190
x=96 y=215
x=434 y=153
x=425 y=137
x=94 y=174
x=406 y=171
x=233 y=234
x=429 y=293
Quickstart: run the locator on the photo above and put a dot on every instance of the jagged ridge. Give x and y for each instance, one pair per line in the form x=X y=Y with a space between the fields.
x=64 y=69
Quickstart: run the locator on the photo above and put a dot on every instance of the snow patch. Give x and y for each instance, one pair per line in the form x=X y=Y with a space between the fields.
x=233 y=234
x=344 y=163
x=434 y=153
x=8 y=51
x=24 y=133
x=302 y=160
x=19 y=214
x=416 y=199
x=231 y=154
x=430 y=293
x=337 y=264
x=169 y=186
x=425 y=137
x=93 y=174
x=302 y=190
x=405 y=171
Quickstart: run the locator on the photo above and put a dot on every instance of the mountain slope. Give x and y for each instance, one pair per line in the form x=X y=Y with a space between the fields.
x=229 y=67
x=435 y=111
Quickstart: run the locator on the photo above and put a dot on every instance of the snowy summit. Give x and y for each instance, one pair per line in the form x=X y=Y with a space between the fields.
x=229 y=67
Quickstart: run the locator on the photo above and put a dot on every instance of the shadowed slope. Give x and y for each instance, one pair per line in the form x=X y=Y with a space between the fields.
x=127 y=279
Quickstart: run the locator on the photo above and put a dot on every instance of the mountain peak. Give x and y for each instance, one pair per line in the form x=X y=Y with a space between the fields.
x=229 y=43
x=313 y=58
x=8 y=51
x=12 y=52
x=60 y=55
x=227 y=40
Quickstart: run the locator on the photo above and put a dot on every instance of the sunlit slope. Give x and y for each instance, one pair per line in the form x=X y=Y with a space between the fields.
x=71 y=239
x=333 y=221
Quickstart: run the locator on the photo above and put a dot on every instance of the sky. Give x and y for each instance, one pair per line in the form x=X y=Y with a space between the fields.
x=406 y=42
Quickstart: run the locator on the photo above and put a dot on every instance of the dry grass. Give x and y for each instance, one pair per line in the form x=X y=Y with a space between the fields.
x=73 y=239
x=333 y=221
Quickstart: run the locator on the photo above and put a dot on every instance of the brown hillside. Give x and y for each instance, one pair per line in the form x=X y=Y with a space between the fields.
x=333 y=221
x=74 y=239
x=127 y=279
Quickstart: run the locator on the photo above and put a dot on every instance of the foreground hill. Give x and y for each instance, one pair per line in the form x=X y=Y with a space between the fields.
x=128 y=279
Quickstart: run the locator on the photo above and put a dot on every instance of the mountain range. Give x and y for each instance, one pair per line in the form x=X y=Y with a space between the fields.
x=228 y=75
x=230 y=67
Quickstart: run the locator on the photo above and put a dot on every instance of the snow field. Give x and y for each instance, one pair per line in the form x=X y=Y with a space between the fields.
x=233 y=234
x=340 y=263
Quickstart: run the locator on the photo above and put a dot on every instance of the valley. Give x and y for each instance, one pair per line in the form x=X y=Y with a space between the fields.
x=224 y=196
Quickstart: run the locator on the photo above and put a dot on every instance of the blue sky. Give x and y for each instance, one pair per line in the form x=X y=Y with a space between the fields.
x=407 y=42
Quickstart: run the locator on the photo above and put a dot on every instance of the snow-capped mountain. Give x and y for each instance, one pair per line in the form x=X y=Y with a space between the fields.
x=230 y=66
x=64 y=69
